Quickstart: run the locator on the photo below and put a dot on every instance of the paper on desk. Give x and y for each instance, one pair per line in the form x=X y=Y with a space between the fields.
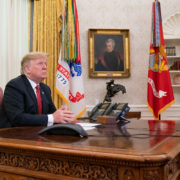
x=88 y=126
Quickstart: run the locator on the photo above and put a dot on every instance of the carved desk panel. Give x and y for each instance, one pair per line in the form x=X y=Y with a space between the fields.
x=140 y=150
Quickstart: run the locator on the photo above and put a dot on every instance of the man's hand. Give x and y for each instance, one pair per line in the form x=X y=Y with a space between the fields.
x=63 y=116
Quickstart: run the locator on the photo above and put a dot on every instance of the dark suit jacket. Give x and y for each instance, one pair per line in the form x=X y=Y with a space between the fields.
x=20 y=103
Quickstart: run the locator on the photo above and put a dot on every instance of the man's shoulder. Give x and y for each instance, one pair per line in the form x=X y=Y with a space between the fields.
x=44 y=86
x=18 y=80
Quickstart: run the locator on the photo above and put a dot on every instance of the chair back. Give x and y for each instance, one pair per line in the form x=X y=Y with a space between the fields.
x=1 y=95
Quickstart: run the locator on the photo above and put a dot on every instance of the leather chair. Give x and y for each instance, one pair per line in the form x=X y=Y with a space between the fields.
x=4 y=122
x=1 y=95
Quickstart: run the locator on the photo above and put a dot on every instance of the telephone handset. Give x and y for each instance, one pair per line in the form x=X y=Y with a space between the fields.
x=100 y=109
x=119 y=110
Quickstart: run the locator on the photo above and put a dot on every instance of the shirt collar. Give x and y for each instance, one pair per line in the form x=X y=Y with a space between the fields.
x=33 y=84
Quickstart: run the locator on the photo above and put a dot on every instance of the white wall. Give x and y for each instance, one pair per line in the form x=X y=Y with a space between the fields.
x=134 y=15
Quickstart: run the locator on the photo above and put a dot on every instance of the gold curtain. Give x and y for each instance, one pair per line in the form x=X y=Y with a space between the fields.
x=46 y=37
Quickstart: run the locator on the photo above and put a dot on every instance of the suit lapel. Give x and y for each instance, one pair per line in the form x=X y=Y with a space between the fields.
x=30 y=90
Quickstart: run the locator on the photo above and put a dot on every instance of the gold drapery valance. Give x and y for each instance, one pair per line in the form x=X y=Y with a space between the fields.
x=46 y=37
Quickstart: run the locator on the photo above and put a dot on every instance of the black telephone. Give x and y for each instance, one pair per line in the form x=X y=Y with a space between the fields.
x=119 y=111
x=100 y=109
x=116 y=109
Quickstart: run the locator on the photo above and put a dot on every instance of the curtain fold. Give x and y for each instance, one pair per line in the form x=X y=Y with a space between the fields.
x=46 y=37
x=13 y=36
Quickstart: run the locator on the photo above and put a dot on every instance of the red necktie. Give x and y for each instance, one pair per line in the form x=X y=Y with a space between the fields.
x=39 y=101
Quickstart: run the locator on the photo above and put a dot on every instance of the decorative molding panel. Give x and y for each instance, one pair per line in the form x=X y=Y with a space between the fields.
x=171 y=26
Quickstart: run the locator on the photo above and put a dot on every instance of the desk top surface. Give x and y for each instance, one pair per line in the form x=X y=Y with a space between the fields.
x=137 y=139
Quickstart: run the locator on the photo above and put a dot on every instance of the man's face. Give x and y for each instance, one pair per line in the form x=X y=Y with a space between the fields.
x=36 y=70
x=109 y=47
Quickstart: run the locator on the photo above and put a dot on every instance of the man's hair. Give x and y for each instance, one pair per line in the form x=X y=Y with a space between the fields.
x=30 y=57
x=111 y=41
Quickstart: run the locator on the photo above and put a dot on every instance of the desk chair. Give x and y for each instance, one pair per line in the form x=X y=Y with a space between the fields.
x=1 y=95
x=4 y=123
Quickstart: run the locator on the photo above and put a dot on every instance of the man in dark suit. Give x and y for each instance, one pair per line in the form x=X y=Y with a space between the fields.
x=24 y=104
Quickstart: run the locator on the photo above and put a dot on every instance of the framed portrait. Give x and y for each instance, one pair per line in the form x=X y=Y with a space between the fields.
x=109 y=53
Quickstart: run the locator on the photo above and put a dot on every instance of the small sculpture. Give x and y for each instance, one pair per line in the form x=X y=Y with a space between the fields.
x=113 y=89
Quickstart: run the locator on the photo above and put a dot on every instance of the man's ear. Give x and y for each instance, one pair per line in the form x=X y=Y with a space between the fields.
x=27 y=69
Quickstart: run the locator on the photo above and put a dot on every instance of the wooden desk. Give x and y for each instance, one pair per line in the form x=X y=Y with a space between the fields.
x=129 y=152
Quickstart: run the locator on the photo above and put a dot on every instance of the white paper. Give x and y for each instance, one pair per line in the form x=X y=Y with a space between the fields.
x=88 y=126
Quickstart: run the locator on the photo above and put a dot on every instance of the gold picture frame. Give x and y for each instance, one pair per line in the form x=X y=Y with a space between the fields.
x=109 y=53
